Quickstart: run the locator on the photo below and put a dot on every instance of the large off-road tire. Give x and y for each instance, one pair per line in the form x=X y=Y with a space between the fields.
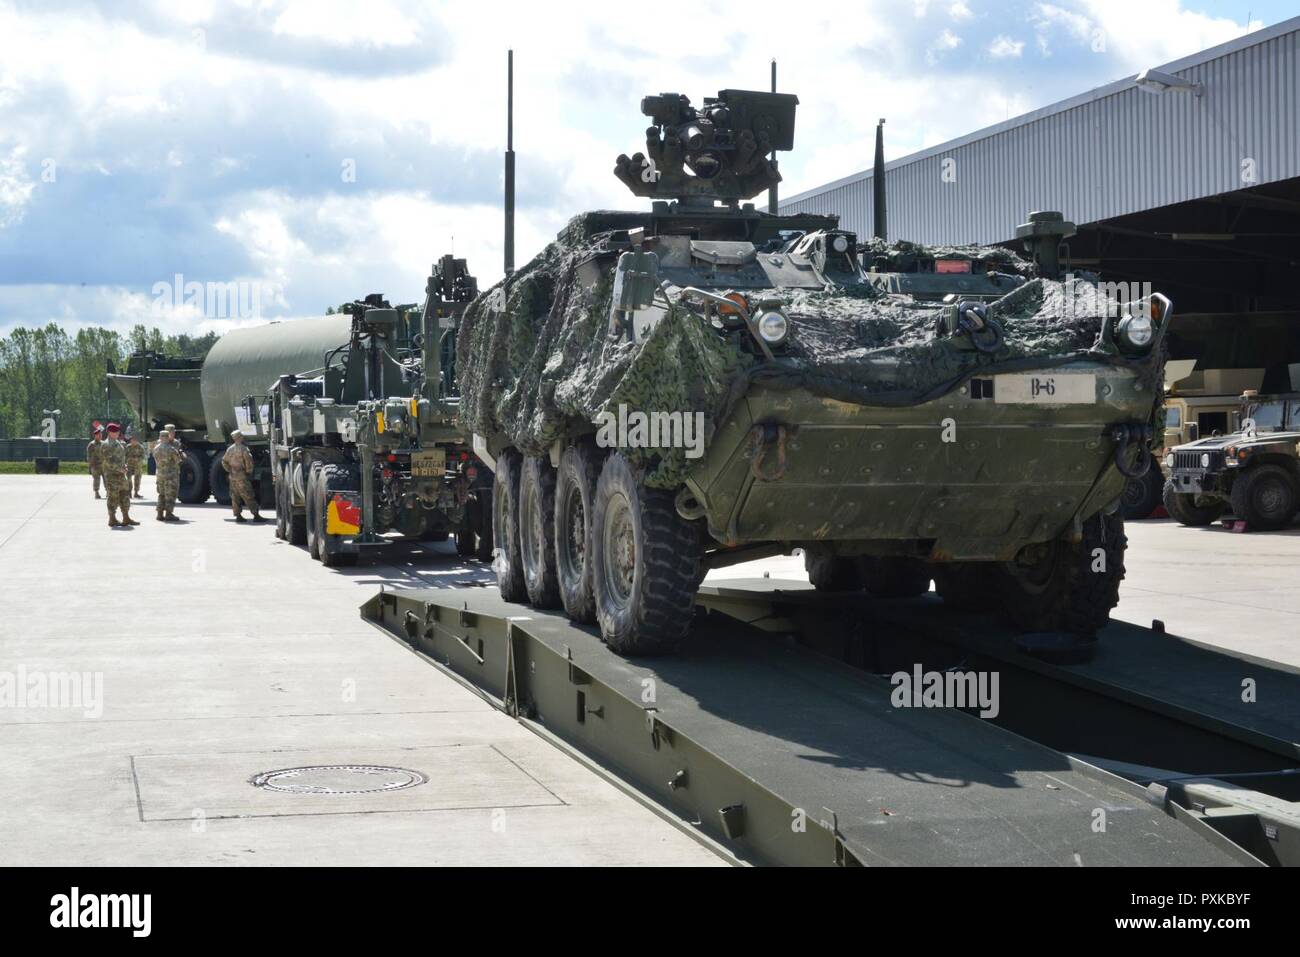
x=645 y=563
x=1142 y=495
x=505 y=528
x=1183 y=507
x=1265 y=497
x=964 y=586
x=311 y=500
x=830 y=573
x=894 y=577
x=483 y=515
x=297 y=520
x=575 y=491
x=1070 y=586
x=218 y=481
x=281 y=510
x=192 y=488
x=467 y=530
x=333 y=478
x=537 y=532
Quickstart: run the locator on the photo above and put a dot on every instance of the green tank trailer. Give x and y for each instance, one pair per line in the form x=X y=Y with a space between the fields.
x=665 y=392
x=362 y=440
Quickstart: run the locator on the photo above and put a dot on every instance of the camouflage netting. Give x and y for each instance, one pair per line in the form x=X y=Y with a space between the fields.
x=903 y=256
x=546 y=365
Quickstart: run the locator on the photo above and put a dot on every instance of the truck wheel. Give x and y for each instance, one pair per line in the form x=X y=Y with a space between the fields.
x=218 y=481
x=281 y=511
x=505 y=528
x=264 y=488
x=1183 y=507
x=829 y=573
x=964 y=586
x=1265 y=497
x=645 y=563
x=575 y=490
x=296 y=520
x=193 y=486
x=333 y=478
x=483 y=518
x=537 y=532
x=467 y=530
x=894 y=577
x=312 y=509
x=1067 y=586
x=1142 y=495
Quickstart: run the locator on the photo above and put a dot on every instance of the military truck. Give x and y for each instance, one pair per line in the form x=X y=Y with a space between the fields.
x=1253 y=472
x=362 y=441
x=1197 y=402
x=671 y=391
x=168 y=390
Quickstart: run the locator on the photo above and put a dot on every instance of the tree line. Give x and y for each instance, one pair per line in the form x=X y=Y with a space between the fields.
x=46 y=368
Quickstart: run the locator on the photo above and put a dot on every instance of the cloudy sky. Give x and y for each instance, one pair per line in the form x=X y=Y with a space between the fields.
x=317 y=150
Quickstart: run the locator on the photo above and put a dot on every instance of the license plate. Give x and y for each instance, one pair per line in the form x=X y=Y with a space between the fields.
x=430 y=463
x=1069 y=388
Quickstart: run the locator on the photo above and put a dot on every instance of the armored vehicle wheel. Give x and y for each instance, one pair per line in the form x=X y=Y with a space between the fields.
x=193 y=485
x=483 y=517
x=537 y=532
x=1065 y=586
x=829 y=573
x=894 y=577
x=218 y=481
x=964 y=586
x=575 y=488
x=1265 y=497
x=1142 y=495
x=505 y=528
x=297 y=521
x=312 y=508
x=333 y=478
x=645 y=563
x=1183 y=507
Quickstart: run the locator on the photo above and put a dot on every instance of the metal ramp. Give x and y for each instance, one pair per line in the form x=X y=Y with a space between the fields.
x=779 y=755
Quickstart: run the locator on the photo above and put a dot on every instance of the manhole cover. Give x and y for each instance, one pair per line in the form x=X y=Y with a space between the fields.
x=338 y=779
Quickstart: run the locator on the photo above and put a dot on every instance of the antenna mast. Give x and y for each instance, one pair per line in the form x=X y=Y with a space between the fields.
x=510 y=163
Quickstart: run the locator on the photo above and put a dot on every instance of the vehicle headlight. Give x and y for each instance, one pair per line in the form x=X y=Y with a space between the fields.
x=773 y=327
x=1169 y=460
x=840 y=244
x=1136 y=331
x=1205 y=460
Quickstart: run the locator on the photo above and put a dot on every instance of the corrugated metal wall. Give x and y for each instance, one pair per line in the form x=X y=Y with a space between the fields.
x=1117 y=150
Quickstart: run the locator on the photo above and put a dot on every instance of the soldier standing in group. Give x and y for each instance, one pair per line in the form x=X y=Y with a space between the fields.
x=238 y=462
x=92 y=457
x=167 y=457
x=112 y=461
x=135 y=454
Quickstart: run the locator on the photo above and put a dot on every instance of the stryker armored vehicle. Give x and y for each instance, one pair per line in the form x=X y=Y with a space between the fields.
x=362 y=440
x=670 y=391
x=1254 y=472
x=189 y=393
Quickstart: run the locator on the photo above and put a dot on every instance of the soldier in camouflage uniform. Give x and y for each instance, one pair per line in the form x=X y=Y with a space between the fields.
x=238 y=462
x=167 y=457
x=92 y=457
x=135 y=455
x=112 y=462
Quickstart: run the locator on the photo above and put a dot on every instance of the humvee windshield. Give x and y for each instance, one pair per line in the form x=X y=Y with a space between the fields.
x=1267 y=416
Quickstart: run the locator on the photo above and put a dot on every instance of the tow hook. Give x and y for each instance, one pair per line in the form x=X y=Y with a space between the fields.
x=764 y=438
x=972 y=319
x=1132 y=433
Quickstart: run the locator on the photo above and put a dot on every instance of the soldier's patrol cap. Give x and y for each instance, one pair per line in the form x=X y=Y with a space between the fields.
x=170 y=428
x=236 y=432
x=162 y=433
x=114 y=427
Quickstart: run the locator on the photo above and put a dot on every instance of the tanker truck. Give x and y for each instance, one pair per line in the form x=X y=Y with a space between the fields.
x=167 y=390
x=361 y=441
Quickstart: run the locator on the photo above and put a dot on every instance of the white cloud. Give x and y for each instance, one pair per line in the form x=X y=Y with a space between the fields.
x=15 y=187
x=958 y=11
x=945 y=41
x=1003 y=46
